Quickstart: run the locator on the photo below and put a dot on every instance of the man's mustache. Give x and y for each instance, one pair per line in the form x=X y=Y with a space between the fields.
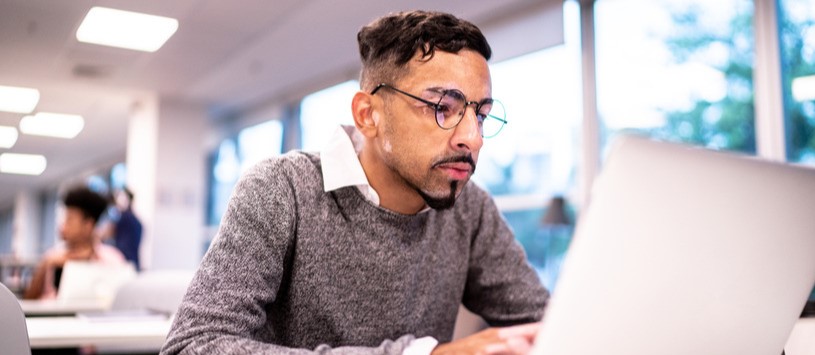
x=457 y=159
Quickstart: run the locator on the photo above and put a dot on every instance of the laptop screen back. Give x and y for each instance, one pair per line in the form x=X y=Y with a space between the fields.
x=685 y=251
x=82 y=280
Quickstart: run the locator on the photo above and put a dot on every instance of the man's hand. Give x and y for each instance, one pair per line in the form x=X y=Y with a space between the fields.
x=509 y=340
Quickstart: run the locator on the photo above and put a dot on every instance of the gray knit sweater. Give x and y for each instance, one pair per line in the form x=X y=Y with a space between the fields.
x=295 y=269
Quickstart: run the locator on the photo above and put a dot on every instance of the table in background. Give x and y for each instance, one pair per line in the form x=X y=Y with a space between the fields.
x=38 y=308
x=62 y=332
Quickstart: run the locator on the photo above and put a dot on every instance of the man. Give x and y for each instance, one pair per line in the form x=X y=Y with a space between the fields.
x=83 y=208
x=371 y=245
x=124 y=227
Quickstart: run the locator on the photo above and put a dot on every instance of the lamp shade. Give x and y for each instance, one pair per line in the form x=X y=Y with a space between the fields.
x=556 y=213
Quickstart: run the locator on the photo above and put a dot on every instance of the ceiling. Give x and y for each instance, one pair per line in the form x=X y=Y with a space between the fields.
x=227 y=55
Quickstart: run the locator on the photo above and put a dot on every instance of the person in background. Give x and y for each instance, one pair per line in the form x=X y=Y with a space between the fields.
x=123 y=227
x=370 y=246
x=83 y=208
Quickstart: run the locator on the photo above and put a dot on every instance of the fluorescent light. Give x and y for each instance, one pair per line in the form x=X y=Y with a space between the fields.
x=803 y=88
x=52 y=125
x=125 y=29
x=8 y=136
x=18 y=100
x=26 y=164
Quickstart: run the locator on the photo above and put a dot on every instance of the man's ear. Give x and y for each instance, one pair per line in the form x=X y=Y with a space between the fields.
x=362 y=107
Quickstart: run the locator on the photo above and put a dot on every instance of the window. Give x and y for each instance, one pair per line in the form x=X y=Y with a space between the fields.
x=118 y=176
x=797 y=39
x=233 y=157
x=536 y=152
x=259 y=142
x=534 y=156
x=678 y=70
x=322 y=111
x=6 y=229
x=224 y=174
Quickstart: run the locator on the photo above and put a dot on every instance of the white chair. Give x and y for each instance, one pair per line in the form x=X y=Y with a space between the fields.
x=155 y=290
x=13 y=331
x=158 y=290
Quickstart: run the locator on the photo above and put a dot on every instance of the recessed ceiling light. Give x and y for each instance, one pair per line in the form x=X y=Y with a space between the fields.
x=26 y=164
x=803 y=88
x=125 y=29
x=52 y=125
x=8 y=136
x=18 y=100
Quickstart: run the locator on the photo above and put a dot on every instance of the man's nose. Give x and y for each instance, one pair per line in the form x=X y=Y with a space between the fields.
x=467 y=135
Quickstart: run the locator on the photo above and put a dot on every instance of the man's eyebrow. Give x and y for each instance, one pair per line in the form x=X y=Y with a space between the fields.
x=455 y=92
x=437 y=90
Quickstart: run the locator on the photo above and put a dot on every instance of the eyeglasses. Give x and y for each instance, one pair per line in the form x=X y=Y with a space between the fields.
x=451 y=106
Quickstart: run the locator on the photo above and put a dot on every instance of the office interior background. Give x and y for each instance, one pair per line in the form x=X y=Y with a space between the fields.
x=242 y=81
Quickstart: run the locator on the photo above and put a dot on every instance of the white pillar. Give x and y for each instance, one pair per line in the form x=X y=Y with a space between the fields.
x=181 y=186
x=166 y=164
x=25 y=238
x=142 y=145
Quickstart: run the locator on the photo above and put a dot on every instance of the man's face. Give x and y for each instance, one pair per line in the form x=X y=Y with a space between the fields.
x=434 y=162
x=76 y=228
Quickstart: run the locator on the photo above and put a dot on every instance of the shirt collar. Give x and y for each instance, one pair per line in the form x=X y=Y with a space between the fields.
x=341 y=166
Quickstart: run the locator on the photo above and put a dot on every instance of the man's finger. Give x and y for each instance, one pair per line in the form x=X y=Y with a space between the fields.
x=527 y=330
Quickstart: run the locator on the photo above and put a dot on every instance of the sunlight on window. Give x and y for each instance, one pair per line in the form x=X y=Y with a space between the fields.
x=798 y=66
x=259 y=142
x=322 y=111
x=118 y=176
x=680 y=70
x=536 y=152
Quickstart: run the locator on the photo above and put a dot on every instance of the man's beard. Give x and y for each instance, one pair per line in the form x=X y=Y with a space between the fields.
x=440 y=203
x=445 y=202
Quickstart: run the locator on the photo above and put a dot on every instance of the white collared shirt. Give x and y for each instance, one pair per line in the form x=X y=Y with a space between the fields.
x=341 y=166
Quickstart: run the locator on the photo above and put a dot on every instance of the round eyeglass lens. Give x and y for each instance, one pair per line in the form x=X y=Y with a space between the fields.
x=495 y=120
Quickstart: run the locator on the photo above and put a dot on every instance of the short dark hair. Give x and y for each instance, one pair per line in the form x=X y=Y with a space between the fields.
x=90 y=203
x=388 y=43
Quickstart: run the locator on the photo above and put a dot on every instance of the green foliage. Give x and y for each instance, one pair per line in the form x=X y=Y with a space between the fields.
x=727 y=123
x=730 y=122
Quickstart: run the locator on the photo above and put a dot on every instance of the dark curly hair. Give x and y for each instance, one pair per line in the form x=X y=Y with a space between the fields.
x=387 y=44
x=90 y=203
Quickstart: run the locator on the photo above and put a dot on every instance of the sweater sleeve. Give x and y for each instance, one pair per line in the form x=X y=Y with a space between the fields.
x=224 y=310
x=501 y=285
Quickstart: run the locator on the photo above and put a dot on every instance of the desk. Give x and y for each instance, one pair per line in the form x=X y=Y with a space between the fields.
x=61 y=308
x=54 y=332
x=802 y=338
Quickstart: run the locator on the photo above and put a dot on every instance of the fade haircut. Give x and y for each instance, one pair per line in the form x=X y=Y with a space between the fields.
x=90 y=203
x=388 y=43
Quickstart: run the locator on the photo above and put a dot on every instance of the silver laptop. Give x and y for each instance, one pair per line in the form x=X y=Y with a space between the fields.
x=83 y=280
x=685 y=251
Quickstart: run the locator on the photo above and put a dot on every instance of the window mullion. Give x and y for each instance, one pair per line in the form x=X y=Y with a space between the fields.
x=769 y=99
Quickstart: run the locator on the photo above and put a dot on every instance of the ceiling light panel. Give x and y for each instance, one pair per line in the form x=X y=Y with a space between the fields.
x=18 y=100
x=8 y=136
x=52 y=125
x=125 y=29
x=25 y=164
